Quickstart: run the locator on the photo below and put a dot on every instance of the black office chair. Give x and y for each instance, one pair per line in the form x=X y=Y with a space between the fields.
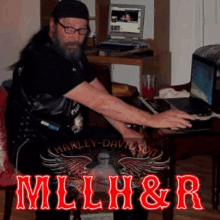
x=212 y=53
x=7 y=181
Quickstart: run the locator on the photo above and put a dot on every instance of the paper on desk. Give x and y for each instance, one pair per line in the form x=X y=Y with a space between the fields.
x=204 y=118
x=172 y=93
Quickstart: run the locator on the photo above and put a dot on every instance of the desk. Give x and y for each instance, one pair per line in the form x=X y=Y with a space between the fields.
x=180 y=145
x=146 y=64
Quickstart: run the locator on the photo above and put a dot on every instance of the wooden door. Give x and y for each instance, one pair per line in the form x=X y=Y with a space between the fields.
x=46 y=7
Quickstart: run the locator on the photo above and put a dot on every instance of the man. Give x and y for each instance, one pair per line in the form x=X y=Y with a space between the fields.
x=127 y=17
x=101 y=172
x=52 y=82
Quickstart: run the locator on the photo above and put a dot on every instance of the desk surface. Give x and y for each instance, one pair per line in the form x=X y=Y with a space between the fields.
x=180 y=145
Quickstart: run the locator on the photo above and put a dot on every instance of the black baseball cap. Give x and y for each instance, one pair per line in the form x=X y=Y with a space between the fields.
x=70 y=8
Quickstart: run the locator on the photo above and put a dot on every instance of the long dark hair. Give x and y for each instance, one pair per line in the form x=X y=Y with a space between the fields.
x=30 y=49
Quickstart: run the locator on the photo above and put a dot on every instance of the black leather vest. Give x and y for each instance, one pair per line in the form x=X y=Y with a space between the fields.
x=41 y=115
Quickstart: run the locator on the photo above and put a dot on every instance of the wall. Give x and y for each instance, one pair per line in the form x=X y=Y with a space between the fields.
x=19 y=19
x=184 y=38
x=211 y=22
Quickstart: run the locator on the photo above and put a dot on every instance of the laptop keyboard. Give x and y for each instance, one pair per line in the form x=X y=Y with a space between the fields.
x=189 y=106
x=185 y=102
x=179 y=103
x=198 y=125
x=202 y=123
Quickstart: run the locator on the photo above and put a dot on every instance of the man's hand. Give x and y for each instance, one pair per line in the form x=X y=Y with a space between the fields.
x=134 y=137
x=171 y=119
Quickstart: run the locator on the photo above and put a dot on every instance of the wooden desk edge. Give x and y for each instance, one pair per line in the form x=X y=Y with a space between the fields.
x=119 y=60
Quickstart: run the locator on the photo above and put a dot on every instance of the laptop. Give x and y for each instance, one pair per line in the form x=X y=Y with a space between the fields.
x=201 y=100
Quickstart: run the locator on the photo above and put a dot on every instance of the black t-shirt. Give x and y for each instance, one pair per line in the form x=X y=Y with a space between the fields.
x=49 y=72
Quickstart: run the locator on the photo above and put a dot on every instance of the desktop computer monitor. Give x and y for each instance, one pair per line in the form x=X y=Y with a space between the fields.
x=126 y=20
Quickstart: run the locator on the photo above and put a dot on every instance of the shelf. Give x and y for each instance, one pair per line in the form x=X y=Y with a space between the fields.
x=118 y=60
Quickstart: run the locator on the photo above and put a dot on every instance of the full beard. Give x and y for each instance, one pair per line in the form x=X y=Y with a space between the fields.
x=71 y=54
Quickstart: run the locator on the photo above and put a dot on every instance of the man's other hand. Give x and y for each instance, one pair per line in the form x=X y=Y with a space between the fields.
x=134 y=137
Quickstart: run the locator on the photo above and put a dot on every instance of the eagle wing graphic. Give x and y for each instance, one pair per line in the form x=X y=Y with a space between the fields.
x=73 y=166
x=139 y=167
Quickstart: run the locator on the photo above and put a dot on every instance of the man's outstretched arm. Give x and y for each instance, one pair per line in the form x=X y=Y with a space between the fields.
x=120 y=126
x=118 y=110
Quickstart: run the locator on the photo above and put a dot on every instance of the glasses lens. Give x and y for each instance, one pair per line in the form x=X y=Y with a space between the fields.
x=70 y=30
x=83 y=31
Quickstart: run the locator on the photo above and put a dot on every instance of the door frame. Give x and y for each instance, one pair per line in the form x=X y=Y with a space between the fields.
x=200 y=23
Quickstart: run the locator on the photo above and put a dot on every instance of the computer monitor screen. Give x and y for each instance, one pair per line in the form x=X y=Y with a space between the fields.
x=202 y=80
x=126 y=20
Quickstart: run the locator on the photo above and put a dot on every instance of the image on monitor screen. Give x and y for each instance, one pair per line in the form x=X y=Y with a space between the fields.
x=126 y=20
x=202 y=81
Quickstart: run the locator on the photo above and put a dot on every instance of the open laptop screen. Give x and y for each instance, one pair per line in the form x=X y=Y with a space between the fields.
x=202 y=79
